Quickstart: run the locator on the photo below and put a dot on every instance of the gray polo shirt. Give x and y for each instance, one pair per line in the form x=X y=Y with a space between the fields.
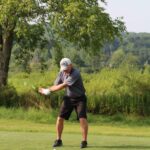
x=75 y=86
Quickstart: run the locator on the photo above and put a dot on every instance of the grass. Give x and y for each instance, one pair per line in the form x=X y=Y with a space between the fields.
x=35 y=130
x=73 y=128
x=49 y=117
x=30 y=114
x=44 y=141
x=31 y=129
x=109 y=91
x=26 y=135
x=24 y=82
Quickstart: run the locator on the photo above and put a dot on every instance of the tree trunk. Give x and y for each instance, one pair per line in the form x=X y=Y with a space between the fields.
x=6 y=42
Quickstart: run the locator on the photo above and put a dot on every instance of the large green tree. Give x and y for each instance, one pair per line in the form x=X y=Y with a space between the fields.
x=26 y=44
x=81 y=22
x=14 y=16
x=84 y=23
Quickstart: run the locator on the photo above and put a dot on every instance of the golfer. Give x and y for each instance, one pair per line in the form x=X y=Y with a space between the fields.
x=75 y=98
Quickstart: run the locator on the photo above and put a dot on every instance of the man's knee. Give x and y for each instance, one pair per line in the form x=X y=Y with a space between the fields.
x=82 y=120
x=59 y=119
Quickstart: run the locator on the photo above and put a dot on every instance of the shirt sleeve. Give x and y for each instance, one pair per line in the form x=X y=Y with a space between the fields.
x=58 y=79
x=72 y=79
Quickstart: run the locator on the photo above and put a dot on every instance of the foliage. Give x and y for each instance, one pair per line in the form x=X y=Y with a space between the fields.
x=114 y=55
x=119 y=58
x=8 y=96
x=15 y=17
x=48 y=116
x=27 y=88
x=26 y=43
x=58 y=54
x=110 y=91
x=120 y=90
x=135 y=44
x=84 y=23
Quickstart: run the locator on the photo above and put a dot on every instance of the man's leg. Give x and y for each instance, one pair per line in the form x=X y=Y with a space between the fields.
x=84 y=128
x=59 y=130
x=59 y=127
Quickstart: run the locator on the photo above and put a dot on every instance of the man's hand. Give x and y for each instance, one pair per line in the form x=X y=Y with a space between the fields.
x=44 y=91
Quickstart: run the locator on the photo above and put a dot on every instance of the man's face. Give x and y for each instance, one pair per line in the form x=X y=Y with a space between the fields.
x=68 y=70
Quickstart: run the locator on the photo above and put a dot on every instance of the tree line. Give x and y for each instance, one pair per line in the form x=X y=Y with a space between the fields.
x=133 y=50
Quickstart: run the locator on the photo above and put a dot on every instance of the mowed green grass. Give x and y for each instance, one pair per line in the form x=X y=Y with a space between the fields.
x=27 y=135
x=44 y=141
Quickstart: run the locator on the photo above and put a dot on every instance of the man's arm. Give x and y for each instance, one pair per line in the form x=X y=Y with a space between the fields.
x=57 y=87
x=47 y=91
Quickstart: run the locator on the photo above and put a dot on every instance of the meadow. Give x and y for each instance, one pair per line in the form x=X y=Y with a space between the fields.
x=109 y=91
x=118 y=112
x=115 y=68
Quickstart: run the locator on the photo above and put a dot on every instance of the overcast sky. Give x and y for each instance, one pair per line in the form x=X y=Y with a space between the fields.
x=136 y=13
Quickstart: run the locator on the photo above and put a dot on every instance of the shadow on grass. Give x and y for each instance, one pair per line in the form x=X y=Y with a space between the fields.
x=112 y=147
x=122 y=147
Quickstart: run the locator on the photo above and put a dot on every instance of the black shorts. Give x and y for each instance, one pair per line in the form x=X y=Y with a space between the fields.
x=68 y=104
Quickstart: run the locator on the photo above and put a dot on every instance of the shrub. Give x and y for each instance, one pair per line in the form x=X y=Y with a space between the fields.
x=36 y=100
x=119 y=91
x=110 y=91
x=8 y=96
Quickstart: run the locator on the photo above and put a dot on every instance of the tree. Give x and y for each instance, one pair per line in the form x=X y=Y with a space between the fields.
x=25 y=45
x=84 y=23
x=117 y=58
x=58 y=54
x=14 y=16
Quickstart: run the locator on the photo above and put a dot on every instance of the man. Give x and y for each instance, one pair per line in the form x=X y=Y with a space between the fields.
x=75 y=98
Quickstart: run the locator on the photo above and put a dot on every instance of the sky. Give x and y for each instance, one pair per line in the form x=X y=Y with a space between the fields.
x=135 y=13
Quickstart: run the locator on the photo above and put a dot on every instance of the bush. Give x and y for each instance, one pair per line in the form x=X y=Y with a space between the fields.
x=36 y=100
x=110 y=91
x=119 y=91
x=8 y=96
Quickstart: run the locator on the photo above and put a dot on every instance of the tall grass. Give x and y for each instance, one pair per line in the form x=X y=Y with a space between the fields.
x=50 y=116
x=110 y=91
x=31 y=114
x=119 y=90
